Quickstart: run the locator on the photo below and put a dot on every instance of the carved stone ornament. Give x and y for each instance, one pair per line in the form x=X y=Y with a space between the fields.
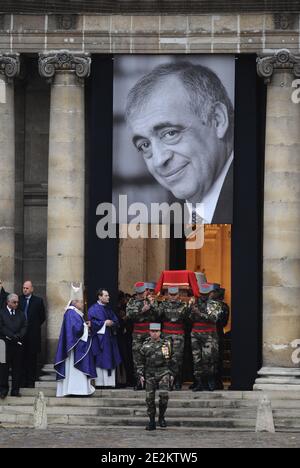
x=66 y=22
x=10 y=65
x=52 y=62
x=284 y=21
x=282 y=60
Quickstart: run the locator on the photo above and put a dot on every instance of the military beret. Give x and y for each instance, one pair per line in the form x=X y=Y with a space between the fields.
x=173 y=290
x=155 y=326
x=150 y=285
x=139 y=287
x=206 y=288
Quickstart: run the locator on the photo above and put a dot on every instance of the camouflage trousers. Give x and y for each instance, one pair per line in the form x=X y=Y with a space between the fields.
x=162 y=382
x=205 y=350
x=178 y=350
x=137 y=342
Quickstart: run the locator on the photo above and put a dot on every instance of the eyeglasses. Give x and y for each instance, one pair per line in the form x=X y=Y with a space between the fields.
x=14 y=302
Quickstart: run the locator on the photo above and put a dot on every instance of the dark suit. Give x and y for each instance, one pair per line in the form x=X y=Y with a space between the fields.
x=12 y=330
x=36 y=316
x=224 y=210
x=3 y=298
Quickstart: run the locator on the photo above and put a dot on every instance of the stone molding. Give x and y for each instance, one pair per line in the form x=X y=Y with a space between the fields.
x=64 y=61
x=157 y=34
x=282 y=60
x=10 y=65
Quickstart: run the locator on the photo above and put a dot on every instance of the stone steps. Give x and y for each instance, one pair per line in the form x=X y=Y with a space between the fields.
x=131 y=402
x=183 y=394
x=132 y=412
x=110 y=402
x=221 y=410
x=137 y=421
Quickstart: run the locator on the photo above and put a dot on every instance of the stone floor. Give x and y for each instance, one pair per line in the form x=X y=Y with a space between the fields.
x=134 y=438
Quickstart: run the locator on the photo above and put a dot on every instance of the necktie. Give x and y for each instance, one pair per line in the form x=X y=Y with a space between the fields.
x=26 y=308
x=194 y=217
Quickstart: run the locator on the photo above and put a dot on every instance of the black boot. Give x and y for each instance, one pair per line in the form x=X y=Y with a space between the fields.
x=177 y=384
x=151 y=426
x=211 y=384
x=138 y=385
x=198 y=387
x=161 y=417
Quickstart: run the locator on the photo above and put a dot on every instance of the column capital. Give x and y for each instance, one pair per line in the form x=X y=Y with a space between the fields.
x=64 y=61
x=281 y=60
x=9 y=65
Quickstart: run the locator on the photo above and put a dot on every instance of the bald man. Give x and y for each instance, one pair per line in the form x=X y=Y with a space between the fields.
x=34 y=310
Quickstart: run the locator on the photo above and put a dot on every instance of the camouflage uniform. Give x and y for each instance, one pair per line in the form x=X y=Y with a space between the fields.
x=141 y=322
x=221 y=324
x=173 y=314
x=204 y=338
x=156 y=364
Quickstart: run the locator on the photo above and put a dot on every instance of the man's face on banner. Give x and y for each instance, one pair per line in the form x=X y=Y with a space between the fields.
x=184 y=154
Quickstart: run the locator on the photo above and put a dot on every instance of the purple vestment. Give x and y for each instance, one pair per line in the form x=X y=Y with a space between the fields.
x=70 y=339
x=104 y=347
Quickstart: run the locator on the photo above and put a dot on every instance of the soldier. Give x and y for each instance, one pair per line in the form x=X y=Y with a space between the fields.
x=156 y=367
x=218 y=295
x=173 y=314
x=141 y=310
x=150 y=288
x=204 y=338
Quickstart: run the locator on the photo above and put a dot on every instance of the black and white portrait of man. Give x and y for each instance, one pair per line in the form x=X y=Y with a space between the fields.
x=178 y=119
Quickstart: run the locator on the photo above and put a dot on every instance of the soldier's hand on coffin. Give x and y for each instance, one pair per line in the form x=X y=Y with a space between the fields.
x=146 y=307
x=192 y=301
x=151 y=299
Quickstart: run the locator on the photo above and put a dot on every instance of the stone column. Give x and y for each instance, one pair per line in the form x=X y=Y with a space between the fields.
x=281 y=262
x=66 y=182
x=9 y=69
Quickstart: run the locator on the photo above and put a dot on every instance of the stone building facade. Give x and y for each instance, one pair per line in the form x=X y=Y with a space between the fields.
x=45 y=59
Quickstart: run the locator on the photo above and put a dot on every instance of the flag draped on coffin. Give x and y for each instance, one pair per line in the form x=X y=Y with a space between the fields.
x=183 y=279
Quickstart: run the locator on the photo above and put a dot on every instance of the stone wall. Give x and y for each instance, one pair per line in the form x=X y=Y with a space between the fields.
x=148 y=6
x=217 y=33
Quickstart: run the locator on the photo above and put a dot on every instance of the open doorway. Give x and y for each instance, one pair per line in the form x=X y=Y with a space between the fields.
x=214 y=260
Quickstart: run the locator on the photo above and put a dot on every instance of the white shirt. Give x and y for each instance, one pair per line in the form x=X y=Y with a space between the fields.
x=11 y=311
x=206 y=208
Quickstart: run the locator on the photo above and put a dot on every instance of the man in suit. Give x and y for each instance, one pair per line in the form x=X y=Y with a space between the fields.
x=13 y=328
x=181 y=119
x=34 y=310
x=3 y=295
